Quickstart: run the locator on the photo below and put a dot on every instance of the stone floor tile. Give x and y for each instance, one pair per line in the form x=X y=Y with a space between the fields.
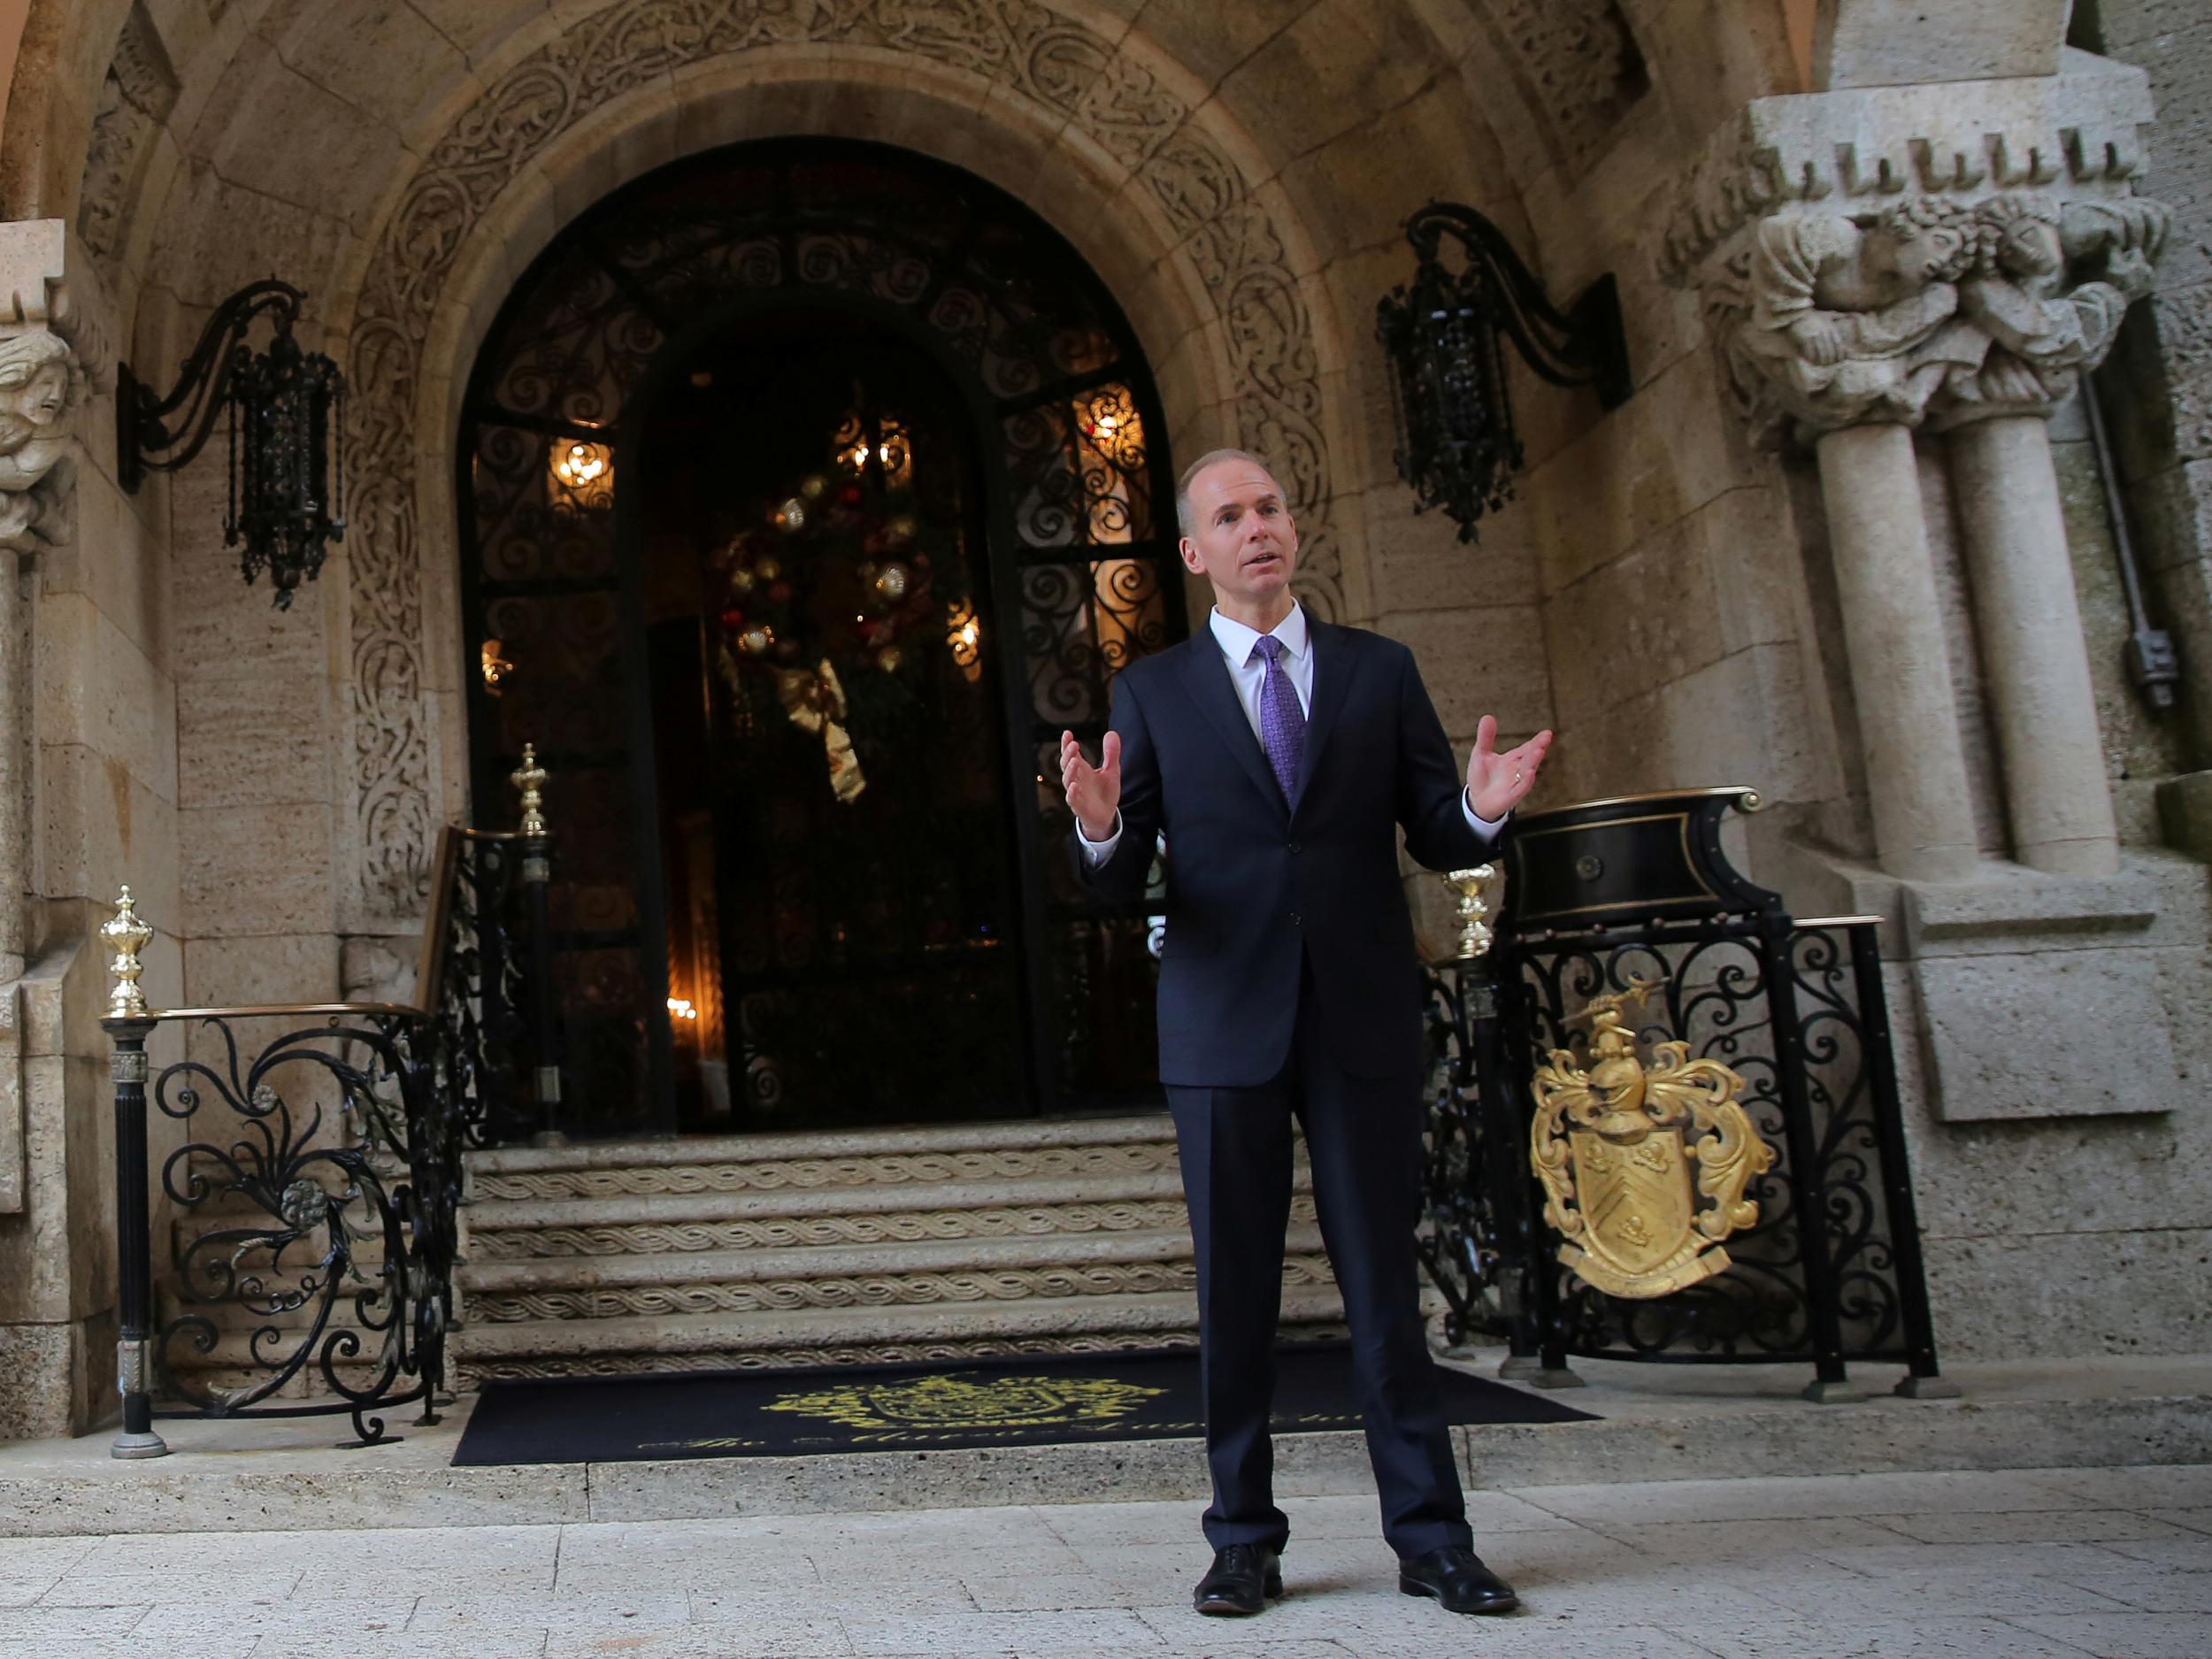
x=786 y=1638
x=1746 y=1543
x=448 y=1616
x=1883 y=1561
x=833 y=1599
x=2150 y=1589
x=2194 y=1520
x=2030 y=1526
x=31 y=1566
x=1090 y=1633
x=1921 y=1638
x=1841 y=1600
x=210 y=1645
x=1426 y=1632
x=1802 y=1497
x=2190 y=1553
x=2128 y=1635
x=33 y=1623
x=487 y=1644
x=82 y=1587
x=2157 y=1485
x=327 y=1616
x=713 y=1568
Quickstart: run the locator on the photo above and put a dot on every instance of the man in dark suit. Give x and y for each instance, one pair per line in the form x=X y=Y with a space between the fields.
x=1280 y=755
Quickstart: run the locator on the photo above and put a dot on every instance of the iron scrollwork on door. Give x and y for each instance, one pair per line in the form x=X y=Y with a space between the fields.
x=1082 y=571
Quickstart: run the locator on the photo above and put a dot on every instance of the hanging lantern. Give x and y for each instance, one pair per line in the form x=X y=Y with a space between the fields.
x=1441 y=333
x=285 y=410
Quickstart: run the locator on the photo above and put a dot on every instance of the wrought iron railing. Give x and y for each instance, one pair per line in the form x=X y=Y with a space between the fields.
x=316 y=1176
x=310 y=1159
x=1631 y=907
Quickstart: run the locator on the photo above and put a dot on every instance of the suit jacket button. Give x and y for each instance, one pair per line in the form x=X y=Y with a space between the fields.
x=1296 y=847
x=1293 y=918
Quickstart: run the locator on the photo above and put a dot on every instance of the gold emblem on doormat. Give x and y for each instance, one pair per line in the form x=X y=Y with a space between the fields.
x=1622 y=1176
x=950 y=1402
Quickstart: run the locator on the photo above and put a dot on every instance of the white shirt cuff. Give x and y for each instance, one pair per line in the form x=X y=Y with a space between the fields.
x=1097 y=853
x=1487 y=828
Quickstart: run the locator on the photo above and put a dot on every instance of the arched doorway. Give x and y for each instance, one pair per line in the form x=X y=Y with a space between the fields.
x=810 y=487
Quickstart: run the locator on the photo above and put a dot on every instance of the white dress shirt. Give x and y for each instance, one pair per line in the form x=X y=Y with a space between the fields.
x=1247 y=672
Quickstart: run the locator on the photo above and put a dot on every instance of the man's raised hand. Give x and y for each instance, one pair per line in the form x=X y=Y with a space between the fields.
x=1497 y=783
x=1093 y=792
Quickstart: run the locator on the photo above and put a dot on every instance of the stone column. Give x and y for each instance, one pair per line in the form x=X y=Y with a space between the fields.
x=1916 y=769
x=2029 y=621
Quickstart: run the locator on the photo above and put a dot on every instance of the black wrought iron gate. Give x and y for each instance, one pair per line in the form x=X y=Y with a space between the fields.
x=1080 y=555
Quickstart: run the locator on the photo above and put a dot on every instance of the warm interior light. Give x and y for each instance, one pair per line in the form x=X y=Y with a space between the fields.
x=582 y=464
x=680 y=1008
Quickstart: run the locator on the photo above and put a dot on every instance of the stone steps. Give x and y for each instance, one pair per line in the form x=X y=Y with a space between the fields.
x=815 y=1336
x=867 y=1246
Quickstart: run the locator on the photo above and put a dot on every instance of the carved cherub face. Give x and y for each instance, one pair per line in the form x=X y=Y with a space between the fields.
x=1920 y=254
x=34 y=382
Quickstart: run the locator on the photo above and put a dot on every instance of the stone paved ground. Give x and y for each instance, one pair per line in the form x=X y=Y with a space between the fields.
x=2039 y=1564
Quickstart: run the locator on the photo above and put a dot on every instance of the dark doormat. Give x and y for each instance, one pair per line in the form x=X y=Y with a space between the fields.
x=1025 y=1401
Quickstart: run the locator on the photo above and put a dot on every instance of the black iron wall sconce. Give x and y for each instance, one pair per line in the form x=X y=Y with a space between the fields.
x=1457 y=449
x=286 y=411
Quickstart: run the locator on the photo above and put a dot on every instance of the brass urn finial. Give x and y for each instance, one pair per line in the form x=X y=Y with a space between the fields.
x=1472 y=885
x=530 y=778
x=126 y=935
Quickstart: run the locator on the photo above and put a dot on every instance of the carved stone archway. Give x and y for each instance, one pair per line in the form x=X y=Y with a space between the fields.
x=1158 y=177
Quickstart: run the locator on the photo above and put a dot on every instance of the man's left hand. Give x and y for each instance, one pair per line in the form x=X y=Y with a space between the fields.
x=1497 y=783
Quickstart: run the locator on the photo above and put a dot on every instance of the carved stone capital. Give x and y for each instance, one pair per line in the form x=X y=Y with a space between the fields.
x=1934 y=254
x=42 y=384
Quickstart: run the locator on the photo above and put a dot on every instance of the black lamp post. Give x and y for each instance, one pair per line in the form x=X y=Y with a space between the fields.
x=1457 y=449
x=285 y=408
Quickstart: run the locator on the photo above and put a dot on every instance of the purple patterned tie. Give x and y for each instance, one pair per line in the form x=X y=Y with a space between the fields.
x=1282 y=722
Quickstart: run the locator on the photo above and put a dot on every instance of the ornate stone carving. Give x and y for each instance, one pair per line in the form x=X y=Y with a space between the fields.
x=1029 y=51
x=1578 y=66
x=1930 y=308
x=42 y=385
x=1852 y=152
x=136 y=97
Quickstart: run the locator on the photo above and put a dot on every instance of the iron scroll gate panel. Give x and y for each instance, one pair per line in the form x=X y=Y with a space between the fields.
x=1083 y=572
x=311 y=1173
x=1598 y=898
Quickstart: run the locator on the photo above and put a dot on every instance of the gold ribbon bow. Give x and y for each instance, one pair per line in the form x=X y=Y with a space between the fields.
x=815 y=703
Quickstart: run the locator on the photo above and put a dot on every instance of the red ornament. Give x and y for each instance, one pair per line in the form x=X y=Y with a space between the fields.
x=733 y=618
x=849 y=494
x=920 y=561
x=779 y=593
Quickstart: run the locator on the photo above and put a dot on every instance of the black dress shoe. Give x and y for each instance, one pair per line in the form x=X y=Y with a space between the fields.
x=1456 y=1577
x=1237 y=1586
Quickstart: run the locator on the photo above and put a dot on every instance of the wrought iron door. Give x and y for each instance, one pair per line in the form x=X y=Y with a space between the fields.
x=1081 y=556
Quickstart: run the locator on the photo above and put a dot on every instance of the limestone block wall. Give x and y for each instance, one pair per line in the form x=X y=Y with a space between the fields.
x=2159 y=390
x=87 y=670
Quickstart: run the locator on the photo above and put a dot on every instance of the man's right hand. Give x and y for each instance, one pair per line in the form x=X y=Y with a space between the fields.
x=1093 y=792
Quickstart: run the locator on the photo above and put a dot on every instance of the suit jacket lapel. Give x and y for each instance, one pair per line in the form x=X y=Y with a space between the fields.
x=1206 y=674
x=1334 y=663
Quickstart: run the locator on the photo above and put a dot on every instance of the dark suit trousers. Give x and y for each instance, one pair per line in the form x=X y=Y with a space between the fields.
x=1364 y=1137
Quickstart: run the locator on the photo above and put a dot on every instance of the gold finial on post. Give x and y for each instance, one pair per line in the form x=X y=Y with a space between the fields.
x=126 y=936
x=530 y=778
x=1472 y=885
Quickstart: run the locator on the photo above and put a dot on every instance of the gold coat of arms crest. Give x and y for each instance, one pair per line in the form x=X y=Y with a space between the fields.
x=1644 y=1166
